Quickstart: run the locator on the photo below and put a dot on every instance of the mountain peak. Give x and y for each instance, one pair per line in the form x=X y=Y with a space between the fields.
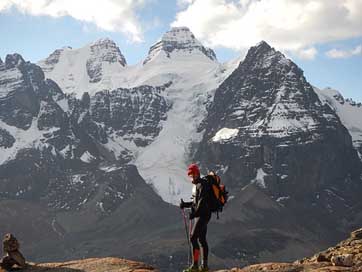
x=1 y=61
x=262 y=55
x=180 y=34
x=107 y=50
x=263 y=44
x=261 y=49
x=182 y=41
x=104 y=41
x=13 y=60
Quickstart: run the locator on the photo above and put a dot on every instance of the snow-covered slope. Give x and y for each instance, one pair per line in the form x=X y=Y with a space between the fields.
x=91 y=68
x=347 y=110
x=189 y=71
x=194 y=76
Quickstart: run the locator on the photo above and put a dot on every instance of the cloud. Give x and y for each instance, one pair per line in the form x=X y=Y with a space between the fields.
x=289 y=25
x=338 y=53
x=109 y=15
x=307 y=54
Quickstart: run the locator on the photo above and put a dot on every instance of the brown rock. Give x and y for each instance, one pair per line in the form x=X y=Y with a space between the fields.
x=322 y=258
x=92 y=265
x=342 y=260
x=357 y=234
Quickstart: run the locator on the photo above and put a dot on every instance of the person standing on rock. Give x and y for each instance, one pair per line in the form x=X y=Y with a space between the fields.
x=201 y=212
x=13 y=255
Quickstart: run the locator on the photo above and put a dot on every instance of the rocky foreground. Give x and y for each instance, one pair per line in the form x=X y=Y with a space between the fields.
x=90 y=265
x=346 y=256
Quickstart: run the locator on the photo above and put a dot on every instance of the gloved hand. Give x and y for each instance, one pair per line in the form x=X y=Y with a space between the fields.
x=182 y=204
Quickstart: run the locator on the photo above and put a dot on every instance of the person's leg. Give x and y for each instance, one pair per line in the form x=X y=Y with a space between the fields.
x=195 y=234
x=203 y=242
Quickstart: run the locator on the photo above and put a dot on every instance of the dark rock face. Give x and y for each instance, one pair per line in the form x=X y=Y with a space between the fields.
x=50 y=115
x=103 y=51
x=6 y=139
x=179 y=39
x=131 y=111
x=18 y=99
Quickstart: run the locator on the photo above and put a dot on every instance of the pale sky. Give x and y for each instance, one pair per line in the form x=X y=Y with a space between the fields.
x=323 y=37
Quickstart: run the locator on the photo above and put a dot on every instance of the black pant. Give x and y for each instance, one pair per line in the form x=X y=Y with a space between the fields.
x=198 y=235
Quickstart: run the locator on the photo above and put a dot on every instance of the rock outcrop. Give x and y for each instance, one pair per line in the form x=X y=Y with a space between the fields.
x=324 y=261
x=90 y=265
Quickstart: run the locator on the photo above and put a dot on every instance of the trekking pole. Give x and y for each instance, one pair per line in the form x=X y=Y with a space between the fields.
x=187 y=236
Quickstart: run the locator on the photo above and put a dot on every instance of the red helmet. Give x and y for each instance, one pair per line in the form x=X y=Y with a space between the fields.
x=193 y=170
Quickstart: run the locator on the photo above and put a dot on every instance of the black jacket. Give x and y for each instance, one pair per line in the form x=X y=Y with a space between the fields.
x=200 y=205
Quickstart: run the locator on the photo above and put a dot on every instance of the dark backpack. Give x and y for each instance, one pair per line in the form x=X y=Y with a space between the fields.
x=218 y=193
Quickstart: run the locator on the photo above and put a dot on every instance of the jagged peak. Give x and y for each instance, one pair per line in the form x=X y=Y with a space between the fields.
x=180 y=34
x=264 y=44
x=262 y=48
x=13 y=60
x=104 y=41
x=181 y=39
x=1 y=61
x=263 y=55
x=108 y=50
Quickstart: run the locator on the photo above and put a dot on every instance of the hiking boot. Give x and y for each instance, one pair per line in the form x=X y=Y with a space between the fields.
x=203 y=268
x=192 y=268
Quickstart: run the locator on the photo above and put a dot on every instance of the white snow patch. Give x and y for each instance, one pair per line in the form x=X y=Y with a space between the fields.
x=109 y=168
x=87 y=157
x=282 y=198
x=259 y=179
x=30 y=138
x=77 y=179
x=225 y=134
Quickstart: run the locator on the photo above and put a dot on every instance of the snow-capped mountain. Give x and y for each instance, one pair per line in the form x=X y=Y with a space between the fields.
x=349 y=112
x=81 y=135
x=89 y=68
x=179 y=61
x=55 y=139
x=265 y=120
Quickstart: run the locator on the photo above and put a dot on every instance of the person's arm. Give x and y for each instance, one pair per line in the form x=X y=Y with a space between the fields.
x=202 y=204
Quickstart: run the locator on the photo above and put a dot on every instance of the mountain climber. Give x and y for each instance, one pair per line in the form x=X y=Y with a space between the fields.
x=13 y=255
x=200 y=211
